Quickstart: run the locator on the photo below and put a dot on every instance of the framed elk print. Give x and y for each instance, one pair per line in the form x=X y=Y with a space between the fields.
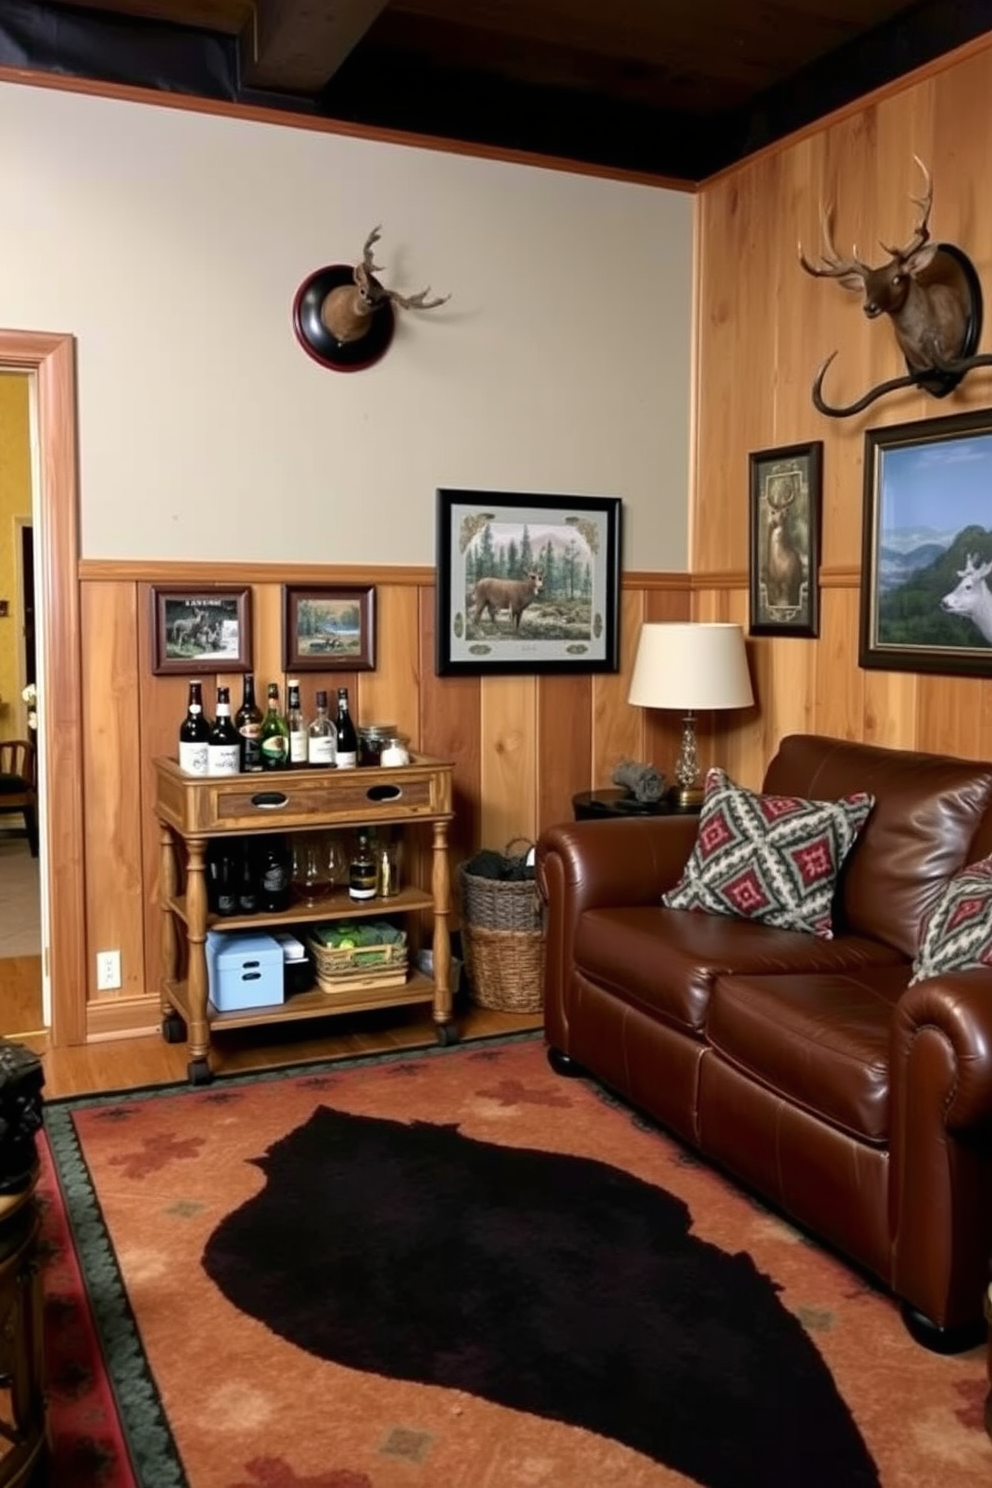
x=201 y=630
x=527 y=583
x=926 y=605
x=784 y=522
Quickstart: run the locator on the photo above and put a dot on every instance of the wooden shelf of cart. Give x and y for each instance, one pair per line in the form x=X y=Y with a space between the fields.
x=192 y=811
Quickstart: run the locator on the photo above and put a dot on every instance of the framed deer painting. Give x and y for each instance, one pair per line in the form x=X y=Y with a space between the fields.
x=926 y=605
x=527 y=583
x=785 y=504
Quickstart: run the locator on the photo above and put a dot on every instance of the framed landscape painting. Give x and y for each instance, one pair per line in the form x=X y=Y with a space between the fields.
x=927 y=546
x=527 y=583
x=329 y=629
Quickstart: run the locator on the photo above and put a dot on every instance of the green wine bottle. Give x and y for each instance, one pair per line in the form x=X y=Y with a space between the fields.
x=274 y=738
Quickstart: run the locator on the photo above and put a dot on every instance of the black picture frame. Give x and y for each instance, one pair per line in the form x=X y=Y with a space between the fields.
x=927 y=546
x=328 y=628
x=204 y=629
x=569 y=624
x=785 y=503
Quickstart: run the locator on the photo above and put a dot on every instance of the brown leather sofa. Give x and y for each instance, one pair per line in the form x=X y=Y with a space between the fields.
x=806 y=1067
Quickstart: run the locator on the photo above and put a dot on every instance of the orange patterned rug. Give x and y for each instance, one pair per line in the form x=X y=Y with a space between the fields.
x=453 y=1269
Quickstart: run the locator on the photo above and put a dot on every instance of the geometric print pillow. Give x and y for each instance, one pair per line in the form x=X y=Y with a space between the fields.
x=774 y=859
x=957 y=933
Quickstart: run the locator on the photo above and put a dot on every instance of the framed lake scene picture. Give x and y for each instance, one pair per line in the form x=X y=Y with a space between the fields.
x=527 y=583
x=926 y=605
x=329 y=629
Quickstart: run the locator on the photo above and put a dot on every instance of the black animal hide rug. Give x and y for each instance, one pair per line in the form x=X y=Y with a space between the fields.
x=555 y=1285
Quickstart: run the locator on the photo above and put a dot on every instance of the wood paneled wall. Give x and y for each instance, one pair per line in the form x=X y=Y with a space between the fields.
x=763 y=328
x=522 y=746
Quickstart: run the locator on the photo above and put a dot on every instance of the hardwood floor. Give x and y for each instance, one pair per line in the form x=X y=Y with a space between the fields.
x=125 y=1064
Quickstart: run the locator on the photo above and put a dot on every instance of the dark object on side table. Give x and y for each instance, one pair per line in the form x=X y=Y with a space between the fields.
x=22 y=1402
x=18 y=786
x=21 y=1081
x=589 y=804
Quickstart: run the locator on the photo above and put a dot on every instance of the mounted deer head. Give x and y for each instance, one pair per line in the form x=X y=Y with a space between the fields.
x=348 y=309
x=343 y=315
x=932 y=295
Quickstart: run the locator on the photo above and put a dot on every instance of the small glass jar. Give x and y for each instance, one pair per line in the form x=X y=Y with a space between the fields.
x=371 y=740
x=395 y=750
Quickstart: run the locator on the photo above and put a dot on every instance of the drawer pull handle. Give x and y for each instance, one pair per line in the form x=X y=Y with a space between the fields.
x=383 y=792
x=270 y=800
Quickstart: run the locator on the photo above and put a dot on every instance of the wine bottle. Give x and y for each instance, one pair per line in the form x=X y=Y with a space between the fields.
x=223 y=745
x=363 y=876
x=322 y=737
x=194 y=733
x=248 y=880
x=274 y=738
x=248 y=722
x=347 y=748
x=274 y=875
x=297 y=727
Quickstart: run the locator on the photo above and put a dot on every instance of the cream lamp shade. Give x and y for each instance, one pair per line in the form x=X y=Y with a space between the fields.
x=690 y=667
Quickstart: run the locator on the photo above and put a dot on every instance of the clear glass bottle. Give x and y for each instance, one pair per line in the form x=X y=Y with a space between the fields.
x=194 y=733
x=248 y=722
x=275 y=733
x=224 y=743
x=347 y=750
x=322 y=737
x=296 y=726
x=363 y=875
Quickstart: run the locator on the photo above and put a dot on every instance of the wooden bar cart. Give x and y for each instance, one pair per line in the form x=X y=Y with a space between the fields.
x=192 y=811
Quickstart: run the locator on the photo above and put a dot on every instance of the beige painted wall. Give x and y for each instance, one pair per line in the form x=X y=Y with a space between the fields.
x=15 y=503
x=171 y=243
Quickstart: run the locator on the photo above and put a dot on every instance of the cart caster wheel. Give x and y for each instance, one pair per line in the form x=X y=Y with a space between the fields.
x=198 y=1071
x=447 y=1034
x=173 y=1029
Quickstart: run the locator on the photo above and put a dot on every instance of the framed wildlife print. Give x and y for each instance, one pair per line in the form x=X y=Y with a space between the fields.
x=527 y=583
x=201 y=630
x=784 y=524
x=926 y=605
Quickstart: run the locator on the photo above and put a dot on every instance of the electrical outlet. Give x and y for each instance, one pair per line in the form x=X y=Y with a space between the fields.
x=108 y=971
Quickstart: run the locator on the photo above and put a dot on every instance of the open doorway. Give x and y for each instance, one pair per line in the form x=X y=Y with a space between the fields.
x=24 y=1011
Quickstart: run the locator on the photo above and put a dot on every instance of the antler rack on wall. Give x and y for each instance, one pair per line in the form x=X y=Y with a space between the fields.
x=931 y=293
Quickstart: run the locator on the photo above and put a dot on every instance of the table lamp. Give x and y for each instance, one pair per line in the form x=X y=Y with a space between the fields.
x=690 y=666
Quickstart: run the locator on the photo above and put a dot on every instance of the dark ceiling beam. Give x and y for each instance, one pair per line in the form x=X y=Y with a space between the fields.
x=295 y=48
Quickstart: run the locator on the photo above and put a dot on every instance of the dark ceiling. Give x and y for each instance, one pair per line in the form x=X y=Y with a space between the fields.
x=660 y=86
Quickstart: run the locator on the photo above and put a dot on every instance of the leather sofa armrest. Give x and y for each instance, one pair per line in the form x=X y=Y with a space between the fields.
x=942 y=1035
x=599 y=864
x=940 y=1144
x=613 y=860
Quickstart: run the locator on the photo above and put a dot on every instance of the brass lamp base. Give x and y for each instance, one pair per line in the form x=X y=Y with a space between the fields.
x=687 y=797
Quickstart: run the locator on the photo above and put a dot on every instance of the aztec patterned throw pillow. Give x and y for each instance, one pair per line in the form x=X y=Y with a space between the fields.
x=957 y=933
x=774 y=859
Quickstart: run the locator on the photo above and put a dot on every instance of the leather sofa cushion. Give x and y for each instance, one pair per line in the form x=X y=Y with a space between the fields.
x=927 y=812
x=820 y=1042
x=665 y=961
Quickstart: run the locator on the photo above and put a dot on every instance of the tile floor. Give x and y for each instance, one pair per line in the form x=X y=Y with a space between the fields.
x=20 y=899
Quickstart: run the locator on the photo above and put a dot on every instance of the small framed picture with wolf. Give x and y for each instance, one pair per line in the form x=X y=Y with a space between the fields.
x=527 y=583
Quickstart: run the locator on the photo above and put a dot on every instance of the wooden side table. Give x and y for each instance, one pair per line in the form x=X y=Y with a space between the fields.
x=22 y=1415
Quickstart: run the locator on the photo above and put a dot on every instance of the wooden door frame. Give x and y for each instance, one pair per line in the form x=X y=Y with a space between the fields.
x=51 y=359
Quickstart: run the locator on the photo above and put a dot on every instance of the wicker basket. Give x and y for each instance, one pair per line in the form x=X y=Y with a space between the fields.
x=354 y=967
x=502 y=940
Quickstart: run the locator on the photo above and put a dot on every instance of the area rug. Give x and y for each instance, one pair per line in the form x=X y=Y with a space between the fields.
x=454 y=1269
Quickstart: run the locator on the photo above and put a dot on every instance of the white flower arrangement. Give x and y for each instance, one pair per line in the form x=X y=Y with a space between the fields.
x=30 y=696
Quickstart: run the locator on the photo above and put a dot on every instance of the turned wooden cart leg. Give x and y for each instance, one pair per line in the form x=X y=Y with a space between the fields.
x=446 y=1031
x=198 y=1032
x=173 y=1028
